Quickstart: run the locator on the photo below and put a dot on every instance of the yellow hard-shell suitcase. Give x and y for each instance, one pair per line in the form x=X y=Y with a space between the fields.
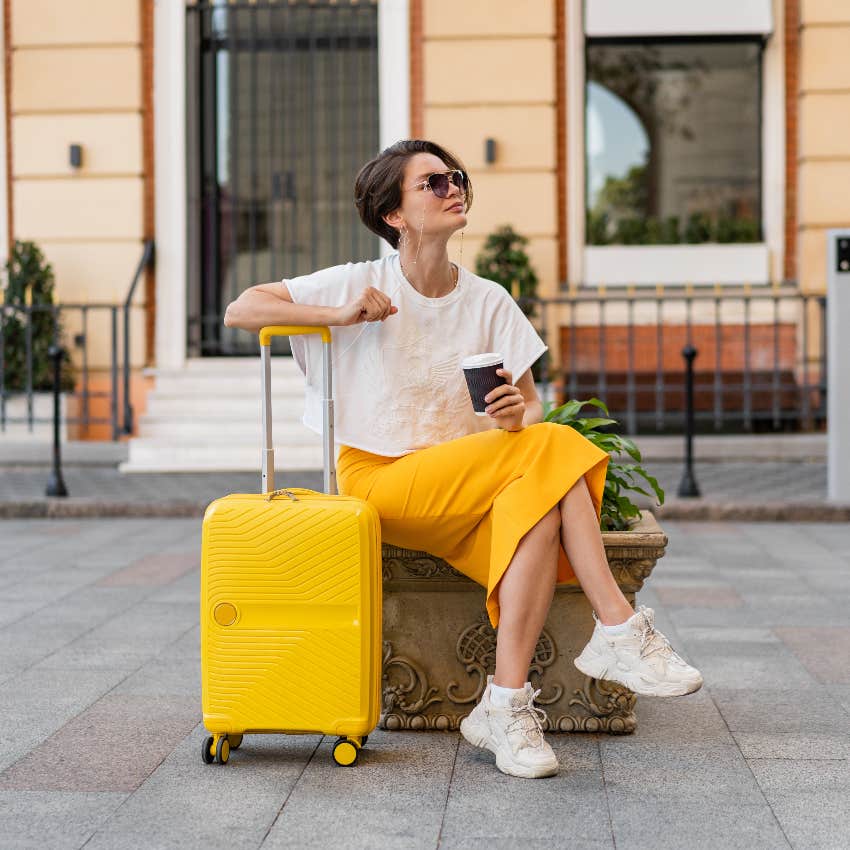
x=291 y=603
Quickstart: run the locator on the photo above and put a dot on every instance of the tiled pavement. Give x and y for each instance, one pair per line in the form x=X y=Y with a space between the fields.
x=100 y=739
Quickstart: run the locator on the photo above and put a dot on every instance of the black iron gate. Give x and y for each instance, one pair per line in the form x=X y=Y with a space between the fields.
x=282 y=111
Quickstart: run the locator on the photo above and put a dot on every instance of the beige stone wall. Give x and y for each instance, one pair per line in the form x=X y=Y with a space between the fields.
x=824 y=133
x=76 y=78
x=489 y=72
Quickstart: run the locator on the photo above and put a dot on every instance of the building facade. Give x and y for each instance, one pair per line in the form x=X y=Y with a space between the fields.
x=636 y=146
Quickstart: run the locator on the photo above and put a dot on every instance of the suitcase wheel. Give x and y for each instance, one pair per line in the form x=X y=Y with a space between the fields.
x=207 y=753
x=235 y=741
x=222 y=750
x=345 y=752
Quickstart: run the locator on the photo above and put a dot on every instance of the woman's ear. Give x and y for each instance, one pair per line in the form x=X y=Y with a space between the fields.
x=395 y=219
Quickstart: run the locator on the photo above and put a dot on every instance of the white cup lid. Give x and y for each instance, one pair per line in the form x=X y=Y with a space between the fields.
x=474 y=361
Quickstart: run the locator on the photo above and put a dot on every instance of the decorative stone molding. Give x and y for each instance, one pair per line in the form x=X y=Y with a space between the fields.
x=439 y=645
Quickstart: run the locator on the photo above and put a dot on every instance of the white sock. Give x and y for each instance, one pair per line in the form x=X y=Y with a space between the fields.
x=501 y=697
x=618 y=630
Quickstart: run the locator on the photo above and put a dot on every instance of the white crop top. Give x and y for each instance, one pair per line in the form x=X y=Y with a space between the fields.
x=398 y=385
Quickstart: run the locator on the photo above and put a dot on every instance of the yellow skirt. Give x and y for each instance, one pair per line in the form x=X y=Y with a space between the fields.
x=471 y=500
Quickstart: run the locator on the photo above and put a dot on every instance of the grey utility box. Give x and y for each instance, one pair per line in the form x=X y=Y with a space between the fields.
x=838 y=364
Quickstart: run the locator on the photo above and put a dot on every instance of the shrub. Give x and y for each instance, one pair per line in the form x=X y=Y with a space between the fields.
x=503 y=259
x=30 y=280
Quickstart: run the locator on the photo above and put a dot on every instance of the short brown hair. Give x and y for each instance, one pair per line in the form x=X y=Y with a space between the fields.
x=377 y=189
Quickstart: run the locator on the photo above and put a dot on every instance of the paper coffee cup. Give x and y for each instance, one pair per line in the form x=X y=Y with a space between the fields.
x=481 y=377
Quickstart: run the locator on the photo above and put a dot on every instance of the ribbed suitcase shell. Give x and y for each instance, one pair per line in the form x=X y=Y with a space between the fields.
x=291 y=602
x=290 y=614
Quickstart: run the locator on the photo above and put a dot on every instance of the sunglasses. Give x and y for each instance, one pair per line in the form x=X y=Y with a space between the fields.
x=440 y=182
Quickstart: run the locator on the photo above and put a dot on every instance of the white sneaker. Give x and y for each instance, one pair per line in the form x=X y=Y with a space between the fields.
x=642 y=660
x=514 y=734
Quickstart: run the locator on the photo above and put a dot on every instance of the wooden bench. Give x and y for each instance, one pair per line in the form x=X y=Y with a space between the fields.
x=439 y=645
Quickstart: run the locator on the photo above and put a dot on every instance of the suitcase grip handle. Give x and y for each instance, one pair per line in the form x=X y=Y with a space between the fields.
x=266 y=335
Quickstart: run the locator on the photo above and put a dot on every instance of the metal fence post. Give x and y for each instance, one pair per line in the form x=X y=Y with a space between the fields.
x=688 y=486
x=55 y=484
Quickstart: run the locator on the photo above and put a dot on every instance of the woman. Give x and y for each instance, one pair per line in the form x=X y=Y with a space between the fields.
x=507 y=499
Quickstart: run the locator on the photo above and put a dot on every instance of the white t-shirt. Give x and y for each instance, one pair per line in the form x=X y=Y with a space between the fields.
x=398 y=385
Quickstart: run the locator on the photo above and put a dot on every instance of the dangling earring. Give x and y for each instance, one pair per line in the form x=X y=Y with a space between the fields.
x=421 y=231
x=460 y=261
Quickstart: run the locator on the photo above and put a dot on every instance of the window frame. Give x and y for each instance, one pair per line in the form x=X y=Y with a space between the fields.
x=760 y=263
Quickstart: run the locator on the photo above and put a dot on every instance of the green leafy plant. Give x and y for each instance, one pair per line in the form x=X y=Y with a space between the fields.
x=30 y=281
x=504 y=260
x=618 y=511
x=698 y=228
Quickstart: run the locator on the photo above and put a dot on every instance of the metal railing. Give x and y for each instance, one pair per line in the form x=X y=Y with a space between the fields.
x=118 y=391
x=760 y=364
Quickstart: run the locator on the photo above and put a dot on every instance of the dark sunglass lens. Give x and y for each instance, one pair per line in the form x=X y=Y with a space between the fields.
x=459 y=179
x=439 y=184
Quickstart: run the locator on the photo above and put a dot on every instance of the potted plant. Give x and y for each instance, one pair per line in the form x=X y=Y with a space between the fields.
x=29 y=300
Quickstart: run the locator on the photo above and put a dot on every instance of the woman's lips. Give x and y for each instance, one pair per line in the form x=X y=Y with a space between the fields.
x=456 y=208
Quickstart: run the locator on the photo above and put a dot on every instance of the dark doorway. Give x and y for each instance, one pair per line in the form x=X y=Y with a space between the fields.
x=282 y=105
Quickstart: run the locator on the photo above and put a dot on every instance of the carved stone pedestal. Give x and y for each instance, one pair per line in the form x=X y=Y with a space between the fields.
x=439 y=645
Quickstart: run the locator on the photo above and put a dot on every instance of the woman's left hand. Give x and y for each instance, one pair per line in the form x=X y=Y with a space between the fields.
x=506 y=404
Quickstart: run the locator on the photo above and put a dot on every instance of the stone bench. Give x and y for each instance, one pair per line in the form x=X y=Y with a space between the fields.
x=439 y=645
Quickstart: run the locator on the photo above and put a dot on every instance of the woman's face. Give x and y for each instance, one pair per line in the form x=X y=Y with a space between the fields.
x=421 y=210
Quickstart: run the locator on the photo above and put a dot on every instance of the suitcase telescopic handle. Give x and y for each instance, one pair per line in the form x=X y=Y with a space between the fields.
x=266 y=335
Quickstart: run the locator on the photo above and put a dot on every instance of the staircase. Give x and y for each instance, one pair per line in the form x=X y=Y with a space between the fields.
x=207 y=417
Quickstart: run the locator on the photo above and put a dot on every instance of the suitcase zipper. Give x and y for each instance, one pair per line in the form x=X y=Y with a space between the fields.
x=270 y=496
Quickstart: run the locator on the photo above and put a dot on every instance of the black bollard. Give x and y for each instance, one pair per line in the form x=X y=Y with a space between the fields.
x=55 y=484
x=688 y=487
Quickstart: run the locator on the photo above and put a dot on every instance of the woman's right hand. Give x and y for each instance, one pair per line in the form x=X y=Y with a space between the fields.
x=371 y=305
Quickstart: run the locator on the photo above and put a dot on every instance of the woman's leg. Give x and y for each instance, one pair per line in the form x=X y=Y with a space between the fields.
x=525 y=595
x=582 y=541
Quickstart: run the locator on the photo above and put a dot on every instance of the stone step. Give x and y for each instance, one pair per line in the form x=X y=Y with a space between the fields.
x=157 y=455
x=206 y=416
x=226 y=385
x=223 y=428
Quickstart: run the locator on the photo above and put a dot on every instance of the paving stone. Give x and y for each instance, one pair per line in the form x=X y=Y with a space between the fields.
x=825 y=652
x=187 y=588
x=130 y=640
x=697 y=795
x=186 y=803
x=811 y=799
x=678 y=720
x=699 y=596
x=112 y=746
x=742 y=664
x=164 y=676
x=841 y=694
x=660 y=821
x=55 y=820
x=153 y=570
x=483 y=802
x=781 y=710
x=498 y=843
x=395 y=795
x=36 y=703
x=793 y=745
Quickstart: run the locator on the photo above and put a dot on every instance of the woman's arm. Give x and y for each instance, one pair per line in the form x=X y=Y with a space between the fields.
x=271 y=304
